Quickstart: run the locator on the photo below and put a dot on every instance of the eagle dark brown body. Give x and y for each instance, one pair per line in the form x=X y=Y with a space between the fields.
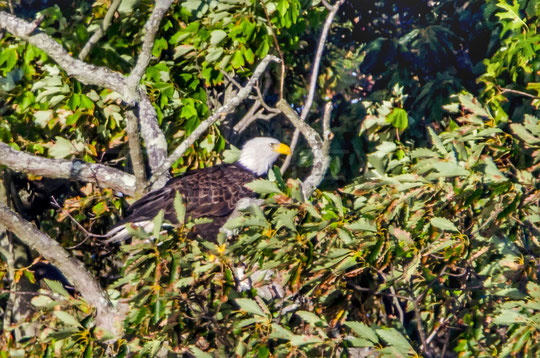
x=207 y=193
x=210 y=193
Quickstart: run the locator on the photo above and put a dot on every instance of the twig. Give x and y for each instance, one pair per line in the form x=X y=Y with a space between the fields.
x=67 y=169
x=65 y=212
x=107 y=318
x=96 y=36
x=392 y=295
x=420 y=327
x=398 y=306
x=219 y=113
x=313 y=80
x=29 y=293
x=508 y=90
x=135 y=153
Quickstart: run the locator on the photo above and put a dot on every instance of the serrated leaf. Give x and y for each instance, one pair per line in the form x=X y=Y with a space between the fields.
x=361 y=225
x=437 y=143
x=363 y=331
x=66 y=318
x=395 y=339
x=280 y=332
x=158 y=221
x=443 y=224
x=508 y=317
x=302 y=340
x=262 y=186
x=56 y=287
x=250 y=306
x=310 y=317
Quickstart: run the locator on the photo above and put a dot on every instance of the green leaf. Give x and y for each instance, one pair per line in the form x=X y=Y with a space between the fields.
x=66 y=318
x=41 y=301
x=262 y=186
x=443 y=224
x=363 y=331
x=311 y=318
x=250 y=306
x=361 y=225
x=42 y=118
x=158 y=222
x=217 y=36
x=56 y=287
x=62 y=148
x=508 y=317
x=395 y=339
x=238 y=59
x=179 y=208
x=302 y=340
x=398 y=118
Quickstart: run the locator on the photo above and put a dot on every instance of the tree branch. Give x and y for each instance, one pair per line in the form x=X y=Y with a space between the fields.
x=135 y=153
x=151 y=28
x=319 y=146
x=75 y=169
x=84 y=72
x=107 y=318
x=313 y=80
x=154 y=140
x=228 y=107
x=96 y=36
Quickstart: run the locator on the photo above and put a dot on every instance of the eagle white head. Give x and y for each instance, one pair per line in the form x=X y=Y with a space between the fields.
x=258 y=154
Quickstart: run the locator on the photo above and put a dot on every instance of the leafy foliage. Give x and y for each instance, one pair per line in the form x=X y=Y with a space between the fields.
x=423 y=239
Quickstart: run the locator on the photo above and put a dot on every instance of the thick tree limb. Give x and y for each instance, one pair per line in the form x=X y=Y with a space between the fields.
x=96 y=36
x=313 y=79
x=78 y=170
x=154 y=139
x=107 y=318
x=228 y=107
x=135 y=153
x=319 y=146
x=84 y=72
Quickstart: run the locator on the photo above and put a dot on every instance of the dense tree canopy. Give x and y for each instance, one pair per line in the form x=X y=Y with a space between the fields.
x=406 y=223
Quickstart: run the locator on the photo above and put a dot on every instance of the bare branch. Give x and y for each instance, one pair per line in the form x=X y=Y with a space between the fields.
x=151 y=28
x=84 y=72
x=319 y=147
x=76 y=170
x=135 y=153
x=107 y=318
x=521 y=93
x=228 y=107
x=313 y=79
x=276 y=43
x=96 y=36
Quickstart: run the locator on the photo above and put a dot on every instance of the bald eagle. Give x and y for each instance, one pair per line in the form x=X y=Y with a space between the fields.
x=212 y=192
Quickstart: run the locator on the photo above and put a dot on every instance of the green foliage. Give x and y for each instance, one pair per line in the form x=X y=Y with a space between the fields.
x=427 y=246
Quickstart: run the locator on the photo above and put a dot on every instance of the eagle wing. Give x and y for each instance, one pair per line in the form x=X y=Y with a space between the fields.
x=210 y=192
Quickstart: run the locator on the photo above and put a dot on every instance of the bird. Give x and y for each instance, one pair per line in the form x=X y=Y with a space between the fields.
x=212 y=192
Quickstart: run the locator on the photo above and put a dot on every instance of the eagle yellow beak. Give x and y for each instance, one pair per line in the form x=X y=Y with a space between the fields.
x=282 y=149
